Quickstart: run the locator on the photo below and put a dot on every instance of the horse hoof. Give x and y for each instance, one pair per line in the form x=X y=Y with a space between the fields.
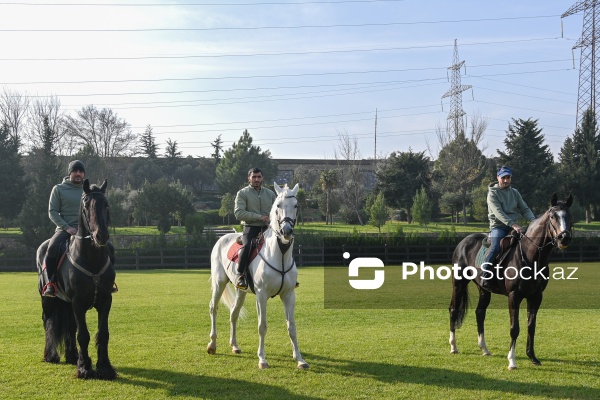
x=453 y=351
x=510 y=367
x=236 y=350
x=211 y=350
x=487 y=354
x=263 y=365
x=303 y=366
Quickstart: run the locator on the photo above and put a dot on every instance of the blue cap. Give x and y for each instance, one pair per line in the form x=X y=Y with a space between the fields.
x=504 y=170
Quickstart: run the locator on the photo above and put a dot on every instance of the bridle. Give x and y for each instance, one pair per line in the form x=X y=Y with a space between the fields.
x=554 y=234
x=85 y=201
x=280 y=222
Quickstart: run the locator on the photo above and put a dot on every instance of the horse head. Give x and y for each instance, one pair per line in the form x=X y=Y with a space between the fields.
x=560 y=222
x=283 y=212
x=95 y=212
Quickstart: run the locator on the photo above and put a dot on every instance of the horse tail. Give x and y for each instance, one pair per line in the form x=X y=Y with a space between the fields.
x=228 y=297
x=460 y=302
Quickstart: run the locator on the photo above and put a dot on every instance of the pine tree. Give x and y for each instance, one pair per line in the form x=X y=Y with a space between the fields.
x=422 y=207
x=378 y=212
x=148 y=143
x=12 y=194
x=531 y=161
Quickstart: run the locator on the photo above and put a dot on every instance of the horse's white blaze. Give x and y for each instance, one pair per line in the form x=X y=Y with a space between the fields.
x=267 y=277
x=562 y=214
x=452 y=340
x=512 y=358
x=482 y=345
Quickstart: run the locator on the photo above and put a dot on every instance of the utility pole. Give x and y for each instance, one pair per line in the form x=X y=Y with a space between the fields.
x=375 y=153
x=590 y=57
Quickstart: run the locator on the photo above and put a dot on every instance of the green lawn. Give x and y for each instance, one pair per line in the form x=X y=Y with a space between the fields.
x=160 y=325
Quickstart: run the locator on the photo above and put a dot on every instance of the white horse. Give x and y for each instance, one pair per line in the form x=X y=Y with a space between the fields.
x=273 y=273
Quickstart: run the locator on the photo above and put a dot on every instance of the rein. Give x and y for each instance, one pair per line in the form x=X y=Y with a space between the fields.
x=552 y=242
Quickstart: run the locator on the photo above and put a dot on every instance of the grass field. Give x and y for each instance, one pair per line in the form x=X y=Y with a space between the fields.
x=160 y=326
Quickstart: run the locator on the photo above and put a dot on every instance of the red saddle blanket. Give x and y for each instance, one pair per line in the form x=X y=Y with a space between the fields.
x=233 y=252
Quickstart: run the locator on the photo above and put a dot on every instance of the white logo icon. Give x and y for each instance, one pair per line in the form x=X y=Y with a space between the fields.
x=365 y=262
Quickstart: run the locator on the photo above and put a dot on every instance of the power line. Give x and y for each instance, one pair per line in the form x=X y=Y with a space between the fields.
x=247 y=28
x=264 y=3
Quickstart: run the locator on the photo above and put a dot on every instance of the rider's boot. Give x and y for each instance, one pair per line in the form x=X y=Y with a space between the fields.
x=49 y=289
x=240 y=281
x=488 y=273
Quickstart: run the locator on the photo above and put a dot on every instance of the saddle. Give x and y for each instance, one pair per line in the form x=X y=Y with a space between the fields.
x=506 y=244
x=234 y=249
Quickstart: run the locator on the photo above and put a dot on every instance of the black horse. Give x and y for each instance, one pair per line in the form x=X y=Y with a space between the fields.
x=85 y=279
x=525 y=276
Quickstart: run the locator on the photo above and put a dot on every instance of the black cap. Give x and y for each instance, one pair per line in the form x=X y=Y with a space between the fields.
x=76 y=165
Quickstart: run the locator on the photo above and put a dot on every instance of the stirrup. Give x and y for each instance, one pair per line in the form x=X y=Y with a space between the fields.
x=241 y=283
x=49 y=290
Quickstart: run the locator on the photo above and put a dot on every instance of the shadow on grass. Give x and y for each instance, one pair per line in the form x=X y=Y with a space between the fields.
x=201 y=386
x=451 y=379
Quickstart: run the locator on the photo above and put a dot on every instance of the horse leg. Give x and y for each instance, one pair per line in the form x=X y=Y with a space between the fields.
x=49 y=317
x=457 y=309
x=71 y=353
x=84 y=363
x=514 y=302
x=480 y=314
x=217 y=292
x=233 y=318
x=289 y=302
x=533 y=305
x=104 y=369
x=261 y=310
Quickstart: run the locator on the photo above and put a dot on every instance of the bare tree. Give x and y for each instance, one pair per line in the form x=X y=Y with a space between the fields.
x=13 y=110
x=352 y=179
x=45 y=113
x=102 y=131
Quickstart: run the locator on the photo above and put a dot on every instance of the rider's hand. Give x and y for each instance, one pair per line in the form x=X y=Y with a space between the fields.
x=517 y=228
x=264 y=218
x=72 y=230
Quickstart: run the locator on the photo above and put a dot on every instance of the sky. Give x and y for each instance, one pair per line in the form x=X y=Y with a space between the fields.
x=299 y=75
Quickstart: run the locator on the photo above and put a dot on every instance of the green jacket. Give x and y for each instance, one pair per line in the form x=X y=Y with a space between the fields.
x=506 y=206
x=63 y=207
x=251 y=204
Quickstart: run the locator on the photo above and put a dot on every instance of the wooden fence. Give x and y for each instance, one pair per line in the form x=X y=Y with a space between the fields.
x=199 y=258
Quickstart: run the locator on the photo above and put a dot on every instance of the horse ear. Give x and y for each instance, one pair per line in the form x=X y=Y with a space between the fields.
x=277 y=188
x=295 y=189
x=104 y=185
x=553 y=199
x=569 y=200
x=86 y=185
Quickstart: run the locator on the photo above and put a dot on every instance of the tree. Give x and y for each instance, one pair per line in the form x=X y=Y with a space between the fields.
x=102 y=131
x=45 y=111
x=401 y=175
x=460 y=163
x=144 y=170
x=378 y=212
x=43 y=172
x=232 y=170
x=163 y=201
x=329 y=181
x=217 y=146
x=13 y=111
x=580 y=163
x=301 y=197
x=227 y=206
x=352 y=177
x=531 y=161
x=172 y=157
x=422 y=207
x=148 y=144
x=12 y=194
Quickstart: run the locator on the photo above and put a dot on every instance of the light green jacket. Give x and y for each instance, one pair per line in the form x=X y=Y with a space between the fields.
x=63 y=207
x=251 y=204
x=506 y=206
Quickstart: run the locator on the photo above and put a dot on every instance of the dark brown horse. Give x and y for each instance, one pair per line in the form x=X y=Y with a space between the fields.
x=85 y=280
x=524 y=276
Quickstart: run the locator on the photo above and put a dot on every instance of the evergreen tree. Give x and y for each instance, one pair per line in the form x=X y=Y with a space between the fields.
x=227 y=206
x=531 y=161
x=172 y=157
x=43 y=173
x=13 y=193
x=422 y=207
x=232 y=170
x=580 y=164
x=401 y=175
x=378 y=212
x=218 y=149
x=148 y=143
